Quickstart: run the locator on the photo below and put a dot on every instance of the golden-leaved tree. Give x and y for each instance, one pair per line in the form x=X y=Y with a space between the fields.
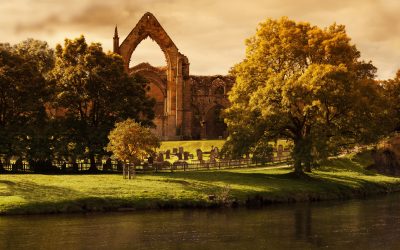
x=131 y=142
x=306 y=84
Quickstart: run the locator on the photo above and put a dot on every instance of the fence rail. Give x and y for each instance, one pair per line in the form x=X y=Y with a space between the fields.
x=115 y=167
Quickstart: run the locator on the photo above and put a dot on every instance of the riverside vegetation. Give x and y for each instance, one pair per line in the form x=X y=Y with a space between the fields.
x=339 y=178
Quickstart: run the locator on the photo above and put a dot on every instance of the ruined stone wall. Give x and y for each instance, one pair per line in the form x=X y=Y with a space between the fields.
x=187 y=107
x=209 y=95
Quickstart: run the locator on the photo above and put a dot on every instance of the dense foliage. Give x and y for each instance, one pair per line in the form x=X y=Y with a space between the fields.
x=131 y=142
x=95 y=92
x=24 y=90
x=62 y=104
x=306 y=84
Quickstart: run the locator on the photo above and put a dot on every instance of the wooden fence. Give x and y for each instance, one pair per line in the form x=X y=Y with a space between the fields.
x=115 y=167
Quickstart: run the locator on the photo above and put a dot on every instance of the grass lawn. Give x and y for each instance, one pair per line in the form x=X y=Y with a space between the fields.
x=336 y=179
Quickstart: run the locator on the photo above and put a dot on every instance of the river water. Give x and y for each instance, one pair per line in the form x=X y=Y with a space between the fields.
x=357 y=224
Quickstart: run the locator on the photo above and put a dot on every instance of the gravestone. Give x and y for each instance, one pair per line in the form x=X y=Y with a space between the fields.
x=181 y=150
x=199 y=154
x=174 y=150
x=280 y=151
x=180 y=156
x=191 y=156
x=108 y=165
x=215 y=152
x=150 y=160
x=160 y=157
x=212 y=157
x=168 y=154
x=185 y=156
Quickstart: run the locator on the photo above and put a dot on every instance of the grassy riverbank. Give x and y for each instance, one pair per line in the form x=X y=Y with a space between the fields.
x=340 y=178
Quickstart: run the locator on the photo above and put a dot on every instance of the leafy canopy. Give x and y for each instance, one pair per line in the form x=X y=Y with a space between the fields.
x=305 y=84
x=94 y=91
x=64 y=103
x=23 y=94
x=129 y=141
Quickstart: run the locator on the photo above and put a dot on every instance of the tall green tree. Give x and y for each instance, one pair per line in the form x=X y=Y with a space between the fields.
x=94 y=91
x=306 y=84
x=40 y=130
x=23 y=92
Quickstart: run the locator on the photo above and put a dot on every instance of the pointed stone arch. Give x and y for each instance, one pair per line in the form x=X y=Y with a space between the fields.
x=148 y=26
x=154 y=74
x=177 y=71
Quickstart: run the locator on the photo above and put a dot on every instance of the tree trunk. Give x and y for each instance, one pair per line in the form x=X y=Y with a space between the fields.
x=297 y=156
x=307 y=166
x=92 y=167
x=124 y=168
x=1 y=167
x=298 y=169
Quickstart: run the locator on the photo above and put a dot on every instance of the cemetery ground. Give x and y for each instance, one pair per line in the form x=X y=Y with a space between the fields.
x=340 y=178
x=192 y=146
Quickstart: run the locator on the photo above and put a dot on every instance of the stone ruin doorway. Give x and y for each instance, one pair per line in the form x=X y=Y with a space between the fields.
x=214 y=126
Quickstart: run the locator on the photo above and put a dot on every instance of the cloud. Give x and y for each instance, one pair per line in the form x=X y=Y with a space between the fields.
x=91 y=16
x=210 y=32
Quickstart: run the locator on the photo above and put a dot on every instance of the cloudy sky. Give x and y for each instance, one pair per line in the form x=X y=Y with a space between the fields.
x=210 y=32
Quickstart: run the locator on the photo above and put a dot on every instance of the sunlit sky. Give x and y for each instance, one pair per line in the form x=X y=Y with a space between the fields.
x=210 y=33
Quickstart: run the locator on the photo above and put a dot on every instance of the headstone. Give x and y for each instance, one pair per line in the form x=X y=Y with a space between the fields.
x=150 y=159
x=212 y=157
x=199 y=154
x=216 y=152
x=119 y=165
x=108 y=165
x=63 y=166
x=181 y=150
x=168 y=154
x=191 y=156
x=185 y=156
x=174 y=150
x=19 y=165
x=160 y=157
x=280 y=149
x=179 y=156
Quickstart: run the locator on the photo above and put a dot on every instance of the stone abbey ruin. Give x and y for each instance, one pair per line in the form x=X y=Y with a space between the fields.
x=187 y=106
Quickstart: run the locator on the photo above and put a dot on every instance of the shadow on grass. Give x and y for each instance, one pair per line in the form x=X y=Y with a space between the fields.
x=33 y=192
x=285 y=184
x=275 y=185
x=344 y=164
x=42 y=199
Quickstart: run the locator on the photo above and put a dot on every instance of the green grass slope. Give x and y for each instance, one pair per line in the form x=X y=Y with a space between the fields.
x=339 y=178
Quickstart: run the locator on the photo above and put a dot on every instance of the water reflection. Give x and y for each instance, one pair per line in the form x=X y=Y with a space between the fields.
x=366 y=224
